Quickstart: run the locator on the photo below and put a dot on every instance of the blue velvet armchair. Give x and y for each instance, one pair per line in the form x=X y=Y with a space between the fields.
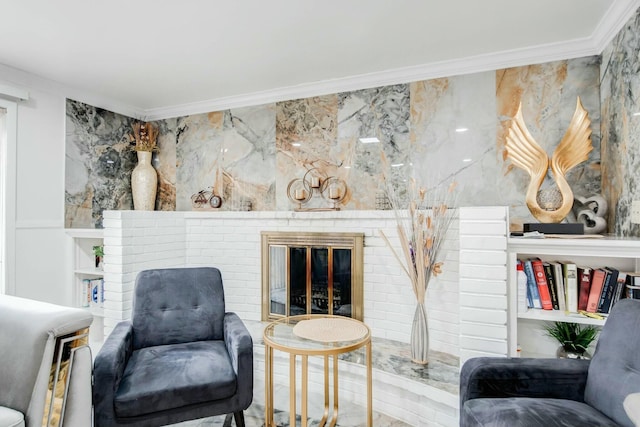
x=558 y=392
x=180 y=357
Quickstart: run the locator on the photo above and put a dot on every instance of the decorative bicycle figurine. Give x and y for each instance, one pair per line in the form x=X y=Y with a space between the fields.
x=204 y=199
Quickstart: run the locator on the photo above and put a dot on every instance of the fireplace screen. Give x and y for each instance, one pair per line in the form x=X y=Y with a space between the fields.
x=311 y=273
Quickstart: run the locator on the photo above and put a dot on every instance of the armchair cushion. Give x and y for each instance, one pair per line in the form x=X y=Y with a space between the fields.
x=172 y=376
x=632 y=407
x=527 y=412
x=10 y=417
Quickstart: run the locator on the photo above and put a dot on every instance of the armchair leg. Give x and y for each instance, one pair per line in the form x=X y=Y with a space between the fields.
x=239 y=417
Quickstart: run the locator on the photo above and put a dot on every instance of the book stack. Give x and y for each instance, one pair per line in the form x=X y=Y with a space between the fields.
x=565 y=286
x=92 y=294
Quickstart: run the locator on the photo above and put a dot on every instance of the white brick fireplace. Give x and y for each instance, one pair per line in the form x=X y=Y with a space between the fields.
x=230 y=241
x=467 y=303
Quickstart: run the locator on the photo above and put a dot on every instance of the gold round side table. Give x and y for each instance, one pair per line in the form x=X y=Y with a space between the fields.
x=307 y=335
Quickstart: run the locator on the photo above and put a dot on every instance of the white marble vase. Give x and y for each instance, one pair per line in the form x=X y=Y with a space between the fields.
x=420 y=335
x=144 y=183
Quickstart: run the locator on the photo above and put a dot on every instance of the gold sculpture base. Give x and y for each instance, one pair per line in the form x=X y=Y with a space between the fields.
x=554 y=228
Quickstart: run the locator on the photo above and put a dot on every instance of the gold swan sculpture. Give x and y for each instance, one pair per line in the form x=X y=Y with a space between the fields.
x=526 y=153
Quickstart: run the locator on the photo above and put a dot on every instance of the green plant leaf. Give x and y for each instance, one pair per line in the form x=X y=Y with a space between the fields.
x=572 y=336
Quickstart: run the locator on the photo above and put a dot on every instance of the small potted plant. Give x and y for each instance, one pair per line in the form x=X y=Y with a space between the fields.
x=574 y=340
x=98 y=252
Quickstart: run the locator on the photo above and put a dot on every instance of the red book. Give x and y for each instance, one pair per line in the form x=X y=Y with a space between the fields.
x=543 y=286
x=597 y=280
x=584 y=285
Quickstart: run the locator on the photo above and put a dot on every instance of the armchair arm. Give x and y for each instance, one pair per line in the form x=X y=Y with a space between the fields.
x=523 y=377
x=77 y=412
x=108 y=369
x=240 y=347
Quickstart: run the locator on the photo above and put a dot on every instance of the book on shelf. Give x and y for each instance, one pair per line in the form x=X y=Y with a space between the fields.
x=559 y=281
x=597 y=282
x=85 y=293
x=524 y=298
x=610 y=281
x=584 y=285
x=96 y=292
x=541 y=282
x=618 y=292
x=570 y=274
x=532 y=286
x=551 y=281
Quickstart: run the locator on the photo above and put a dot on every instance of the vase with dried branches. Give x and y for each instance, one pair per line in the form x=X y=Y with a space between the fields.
x=144 y=178
x=422 y=228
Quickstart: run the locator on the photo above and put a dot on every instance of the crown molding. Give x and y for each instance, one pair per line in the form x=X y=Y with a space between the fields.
x=480 y=63
x=609 y=26
x=613 y=21
x=25 y=83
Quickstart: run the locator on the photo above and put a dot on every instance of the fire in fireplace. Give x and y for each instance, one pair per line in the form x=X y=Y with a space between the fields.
x=312 y=273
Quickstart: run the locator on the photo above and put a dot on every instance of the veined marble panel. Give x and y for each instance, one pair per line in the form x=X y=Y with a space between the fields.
x=453 y=138
x=620 y=94
x=164 y=160
x=231 y=152
x=548 y=93
x=381 y=113
x=98 y=164
x=306 y=134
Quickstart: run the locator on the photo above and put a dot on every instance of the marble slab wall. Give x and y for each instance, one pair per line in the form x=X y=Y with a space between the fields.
x=620 y=94
x=548 y=94
x=435 y=130
x=98 y=162
x=230 y=153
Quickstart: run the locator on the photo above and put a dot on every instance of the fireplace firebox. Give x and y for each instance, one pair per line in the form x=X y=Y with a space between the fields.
x=312 y=273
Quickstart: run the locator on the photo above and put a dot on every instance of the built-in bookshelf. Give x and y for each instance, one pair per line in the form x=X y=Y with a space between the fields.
x=86 y=275
x=526 y=331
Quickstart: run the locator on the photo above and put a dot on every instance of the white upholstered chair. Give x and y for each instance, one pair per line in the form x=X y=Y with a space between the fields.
x=34 y=335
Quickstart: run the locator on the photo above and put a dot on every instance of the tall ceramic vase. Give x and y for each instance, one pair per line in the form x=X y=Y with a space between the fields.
x=420 y=335
x=144 y=183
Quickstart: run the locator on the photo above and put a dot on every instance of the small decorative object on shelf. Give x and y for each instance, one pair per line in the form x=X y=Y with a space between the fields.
x=574 y=340
x=592 y=212
x=144 y=178
x=301 y=190
x=554 y=203
x=422 y=231
x=206 y=200
x=98 y=253
x=215 y=201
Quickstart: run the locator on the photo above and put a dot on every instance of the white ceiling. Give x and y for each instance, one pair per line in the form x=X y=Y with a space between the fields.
x=154 y=55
